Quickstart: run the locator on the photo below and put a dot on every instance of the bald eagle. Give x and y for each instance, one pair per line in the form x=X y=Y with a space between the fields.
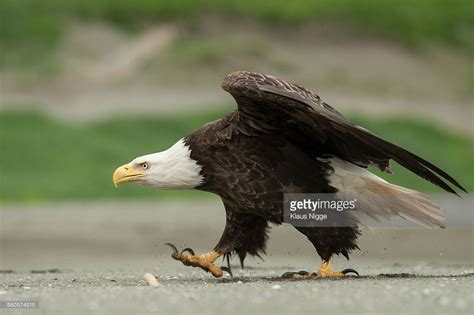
x=284 y=139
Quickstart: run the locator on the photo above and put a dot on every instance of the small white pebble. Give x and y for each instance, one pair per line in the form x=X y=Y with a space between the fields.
x=276 y=287
x=3 y=292
x=50 y=285
x=239 y=282
x=426 y=291
x=26 y=288
x=151 y=280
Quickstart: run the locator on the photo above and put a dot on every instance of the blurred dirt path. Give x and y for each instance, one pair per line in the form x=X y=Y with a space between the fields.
x=109 y=233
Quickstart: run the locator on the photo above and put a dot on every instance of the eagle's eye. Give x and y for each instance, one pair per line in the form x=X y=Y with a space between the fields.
x=145 y=166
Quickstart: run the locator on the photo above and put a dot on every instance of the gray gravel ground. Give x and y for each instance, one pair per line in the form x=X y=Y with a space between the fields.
x=102 y=250
x=252 y=291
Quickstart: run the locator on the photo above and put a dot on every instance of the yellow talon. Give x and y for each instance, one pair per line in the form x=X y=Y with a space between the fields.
x=204 y=261
x=325 y=271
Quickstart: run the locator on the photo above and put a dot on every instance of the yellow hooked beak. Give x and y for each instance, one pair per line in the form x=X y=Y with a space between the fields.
x=125 y=173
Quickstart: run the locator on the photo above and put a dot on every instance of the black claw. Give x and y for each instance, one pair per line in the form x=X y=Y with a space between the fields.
x=227 y=270
x=175 y=250
x=189 y=250
x=349 y=270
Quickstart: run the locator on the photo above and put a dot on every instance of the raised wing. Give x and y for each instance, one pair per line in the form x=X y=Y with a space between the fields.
x=268 y=104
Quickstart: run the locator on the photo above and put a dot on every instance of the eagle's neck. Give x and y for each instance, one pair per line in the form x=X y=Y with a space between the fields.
x=173 y=168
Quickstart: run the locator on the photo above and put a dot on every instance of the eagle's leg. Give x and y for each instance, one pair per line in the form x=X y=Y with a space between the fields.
x=204 y=261
x=243 y=234
x=324 y=271
x=328 y=241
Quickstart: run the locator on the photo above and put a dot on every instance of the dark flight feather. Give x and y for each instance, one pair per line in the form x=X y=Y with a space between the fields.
x=268 y=104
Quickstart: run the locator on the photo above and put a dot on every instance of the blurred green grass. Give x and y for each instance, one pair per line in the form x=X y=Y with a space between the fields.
x=44 y=159
x=36 y=26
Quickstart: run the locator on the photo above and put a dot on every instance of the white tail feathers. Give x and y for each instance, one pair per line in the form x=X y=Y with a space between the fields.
x=379 y=199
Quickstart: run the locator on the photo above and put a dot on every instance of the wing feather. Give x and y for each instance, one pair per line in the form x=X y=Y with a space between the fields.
x=268 y=104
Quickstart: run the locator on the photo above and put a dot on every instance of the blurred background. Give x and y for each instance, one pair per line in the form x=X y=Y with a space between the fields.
x=88 y=85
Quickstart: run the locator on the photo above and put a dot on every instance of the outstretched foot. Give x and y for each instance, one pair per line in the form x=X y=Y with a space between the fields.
x=325 y=271
x=205 y=261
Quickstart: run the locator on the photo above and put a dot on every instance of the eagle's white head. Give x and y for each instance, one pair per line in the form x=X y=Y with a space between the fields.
x=170 y=169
